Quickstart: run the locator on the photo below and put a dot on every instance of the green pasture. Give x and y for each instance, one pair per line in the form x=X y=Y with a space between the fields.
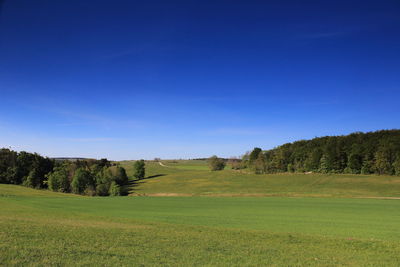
x=193 y=178
x=44 y=228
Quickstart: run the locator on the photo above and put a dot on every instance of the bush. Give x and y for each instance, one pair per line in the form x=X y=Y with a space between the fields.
x=216 y=164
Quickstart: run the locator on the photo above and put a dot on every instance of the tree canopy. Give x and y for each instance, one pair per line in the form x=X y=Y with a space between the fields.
x=367 y=153
x=89 y=176
x=139 y=169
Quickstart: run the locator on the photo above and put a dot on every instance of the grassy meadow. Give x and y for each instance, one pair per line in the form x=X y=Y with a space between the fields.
x=204 y=225
x=183 y=178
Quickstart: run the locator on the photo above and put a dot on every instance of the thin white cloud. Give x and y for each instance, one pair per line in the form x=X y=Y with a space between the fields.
x=322 y=35
x=91 y=139
x=237 y=131
x=77 y=118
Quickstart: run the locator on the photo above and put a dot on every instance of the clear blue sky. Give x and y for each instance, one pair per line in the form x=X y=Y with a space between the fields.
x=184 y=79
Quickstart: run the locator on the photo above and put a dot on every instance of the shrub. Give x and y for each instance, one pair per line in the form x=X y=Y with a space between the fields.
x=216 y=164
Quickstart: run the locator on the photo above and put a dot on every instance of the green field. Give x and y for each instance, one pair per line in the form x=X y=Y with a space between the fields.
x=40 y=227
x=193 y=178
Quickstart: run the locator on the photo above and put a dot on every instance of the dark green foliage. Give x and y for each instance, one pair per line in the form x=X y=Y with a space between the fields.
x=291 y=168
x=383 y=161
x=216 y=164
x=367 y=166
x=27 y=168
x=8 y=161
x=323 y=166
x=33 y=179
x=115 y=189
x=117 y=175
x=354 y=163
x=260 y=164
x=254 y=155
x=89 y=177
x=396 y=165
x=367 y=153
x=90 y=190
x=58 y=180
x=81 y=181
x=102 y=189
x=139 y=169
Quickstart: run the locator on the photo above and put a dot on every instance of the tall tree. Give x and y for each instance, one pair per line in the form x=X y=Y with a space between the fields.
x=81 y=181
x=139 y=170
x=58 y=180
x=382 y=161
x=396 y=165
x=254 y=155
x=260 y=164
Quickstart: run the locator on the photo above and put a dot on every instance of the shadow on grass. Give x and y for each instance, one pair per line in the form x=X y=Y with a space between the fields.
x=135 y=183
x=153 y=176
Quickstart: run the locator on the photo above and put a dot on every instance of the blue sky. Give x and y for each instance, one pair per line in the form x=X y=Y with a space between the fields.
x=184 y=79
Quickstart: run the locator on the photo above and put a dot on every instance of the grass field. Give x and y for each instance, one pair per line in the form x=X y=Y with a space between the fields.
x=193 y=178
x=196 y=228
x=44 y=228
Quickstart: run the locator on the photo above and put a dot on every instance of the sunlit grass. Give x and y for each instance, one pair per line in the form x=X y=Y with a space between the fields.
x=183 y=179
x=56 y=229
x=296 y=227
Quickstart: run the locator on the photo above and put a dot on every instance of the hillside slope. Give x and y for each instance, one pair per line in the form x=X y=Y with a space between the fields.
x=187 y=178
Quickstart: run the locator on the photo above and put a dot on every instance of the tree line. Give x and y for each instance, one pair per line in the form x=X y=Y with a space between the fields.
x=86 y=177
x=358 y=153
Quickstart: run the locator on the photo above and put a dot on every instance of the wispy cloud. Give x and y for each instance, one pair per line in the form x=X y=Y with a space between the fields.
x=91 y=139
x=237 y=131
x=321 y=35
x=71 y=118
x=90 y=119
x=121 y=54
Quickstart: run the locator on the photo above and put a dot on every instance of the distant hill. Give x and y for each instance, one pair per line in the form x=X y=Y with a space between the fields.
x=71 y=159
x=372 y=152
